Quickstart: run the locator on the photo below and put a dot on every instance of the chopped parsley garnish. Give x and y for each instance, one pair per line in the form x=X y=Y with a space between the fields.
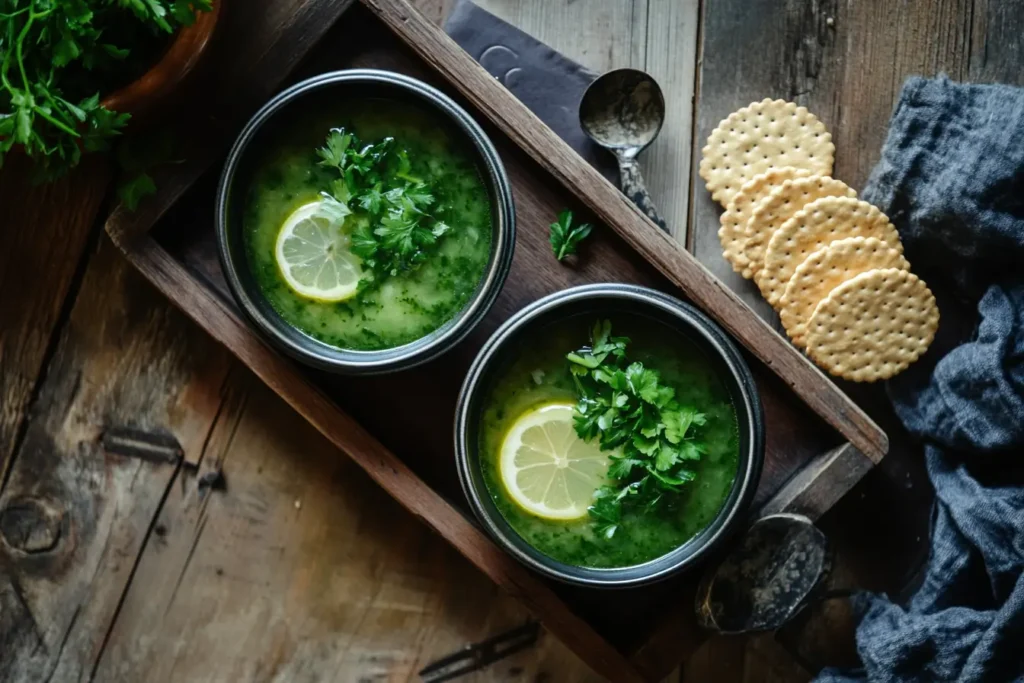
x=565 y=237
x=400 y=227
x=630 y=411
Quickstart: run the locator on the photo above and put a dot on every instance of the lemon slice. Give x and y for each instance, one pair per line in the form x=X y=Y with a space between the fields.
x=546 y=468
x=315 y=257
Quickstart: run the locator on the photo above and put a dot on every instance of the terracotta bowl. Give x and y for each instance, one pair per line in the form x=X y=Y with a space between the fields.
x=188 y=45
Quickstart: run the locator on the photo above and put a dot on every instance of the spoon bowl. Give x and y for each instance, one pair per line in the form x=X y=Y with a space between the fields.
x=623 y=111
x=769 y=576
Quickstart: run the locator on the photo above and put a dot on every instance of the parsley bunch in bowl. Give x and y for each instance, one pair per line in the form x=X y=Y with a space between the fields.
x=399 y=230
x=629 y=410
x=59 y=57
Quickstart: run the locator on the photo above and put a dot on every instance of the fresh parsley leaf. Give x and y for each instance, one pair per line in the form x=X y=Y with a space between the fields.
x=371 y=198
x=333 y=151
x=51 y=50
x=420 y=198
x=399 y=216
x=565 y=237
x=667 y=456
x=331 y=209
x=629 y=410
x=134 y=190
x=620 y=467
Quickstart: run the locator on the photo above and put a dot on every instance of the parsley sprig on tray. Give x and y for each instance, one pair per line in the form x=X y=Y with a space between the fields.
x=629 y=410
x=565 y=236
x=400 y=230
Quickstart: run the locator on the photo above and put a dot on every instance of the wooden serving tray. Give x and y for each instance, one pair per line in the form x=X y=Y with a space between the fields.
x=399 y=427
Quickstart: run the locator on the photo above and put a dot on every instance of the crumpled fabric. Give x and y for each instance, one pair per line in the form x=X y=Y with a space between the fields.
x=951 y=178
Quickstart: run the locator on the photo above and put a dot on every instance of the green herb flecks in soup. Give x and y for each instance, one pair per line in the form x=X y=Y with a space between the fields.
x=367 y=224
x=615 y=455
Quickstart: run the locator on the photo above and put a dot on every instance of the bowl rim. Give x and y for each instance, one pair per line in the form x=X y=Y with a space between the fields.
x=729 y=517
x=187 y=47
x=320 y=355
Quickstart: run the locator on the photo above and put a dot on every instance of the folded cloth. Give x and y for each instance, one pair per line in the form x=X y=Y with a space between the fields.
x=546 y=81
x=951 y=178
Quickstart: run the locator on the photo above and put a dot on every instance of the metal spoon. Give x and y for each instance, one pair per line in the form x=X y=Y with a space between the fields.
x=774 y=571
x=623 y=111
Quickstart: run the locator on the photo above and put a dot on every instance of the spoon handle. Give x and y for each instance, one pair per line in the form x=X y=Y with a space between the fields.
x=632 y=183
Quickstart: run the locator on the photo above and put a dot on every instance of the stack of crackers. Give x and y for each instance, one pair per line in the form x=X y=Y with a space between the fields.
x=832 y=265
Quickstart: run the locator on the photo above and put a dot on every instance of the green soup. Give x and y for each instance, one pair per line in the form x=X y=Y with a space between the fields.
x=540 y=374
x=404 y=306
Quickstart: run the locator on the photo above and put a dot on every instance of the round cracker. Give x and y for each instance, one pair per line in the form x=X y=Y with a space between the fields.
x=873 y=326
x=766 y=134
x=779 y=206
x=737 y=213
x=818 y=224
x=826 y=269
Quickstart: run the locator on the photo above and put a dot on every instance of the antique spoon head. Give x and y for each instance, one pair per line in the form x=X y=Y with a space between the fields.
x=623 y=110
x=772 y=573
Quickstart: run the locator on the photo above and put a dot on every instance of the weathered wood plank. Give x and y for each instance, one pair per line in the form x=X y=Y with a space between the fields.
x=752 y=50
x=671 y=58
x=74 y=515
x=845 y=61
x=45 y=231
x=820 y=484
x=301 y=569
x=600 y=36
x=996 y=48
x=659 y=37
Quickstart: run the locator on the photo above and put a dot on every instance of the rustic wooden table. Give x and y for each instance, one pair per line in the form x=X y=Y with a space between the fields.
x=117 y=565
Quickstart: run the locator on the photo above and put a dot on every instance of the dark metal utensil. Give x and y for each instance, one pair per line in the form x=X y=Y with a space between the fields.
x=475 y=657
x=623 y=111
x=775 y=571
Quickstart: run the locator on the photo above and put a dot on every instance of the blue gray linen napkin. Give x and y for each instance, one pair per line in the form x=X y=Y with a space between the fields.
x=546 y=81
x=951 y=178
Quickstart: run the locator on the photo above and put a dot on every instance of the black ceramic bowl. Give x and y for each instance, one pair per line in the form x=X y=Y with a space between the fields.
x=608 y=299
x=357 y=84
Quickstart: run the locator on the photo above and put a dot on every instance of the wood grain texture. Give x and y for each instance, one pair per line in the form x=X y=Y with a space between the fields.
x=45 y=230
x=74 y=515
x=846 y=62
x=222 y=322
x=301 y=569
x=820 y=483
x=657 y=36
x=609 y=205
x=671 y=58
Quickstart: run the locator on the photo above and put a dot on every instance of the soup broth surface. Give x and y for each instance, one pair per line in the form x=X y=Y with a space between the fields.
x=539 y=374
x=400 y=308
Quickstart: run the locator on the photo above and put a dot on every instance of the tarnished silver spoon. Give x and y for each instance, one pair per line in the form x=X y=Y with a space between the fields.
x=775 y=570
x=623 y=111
